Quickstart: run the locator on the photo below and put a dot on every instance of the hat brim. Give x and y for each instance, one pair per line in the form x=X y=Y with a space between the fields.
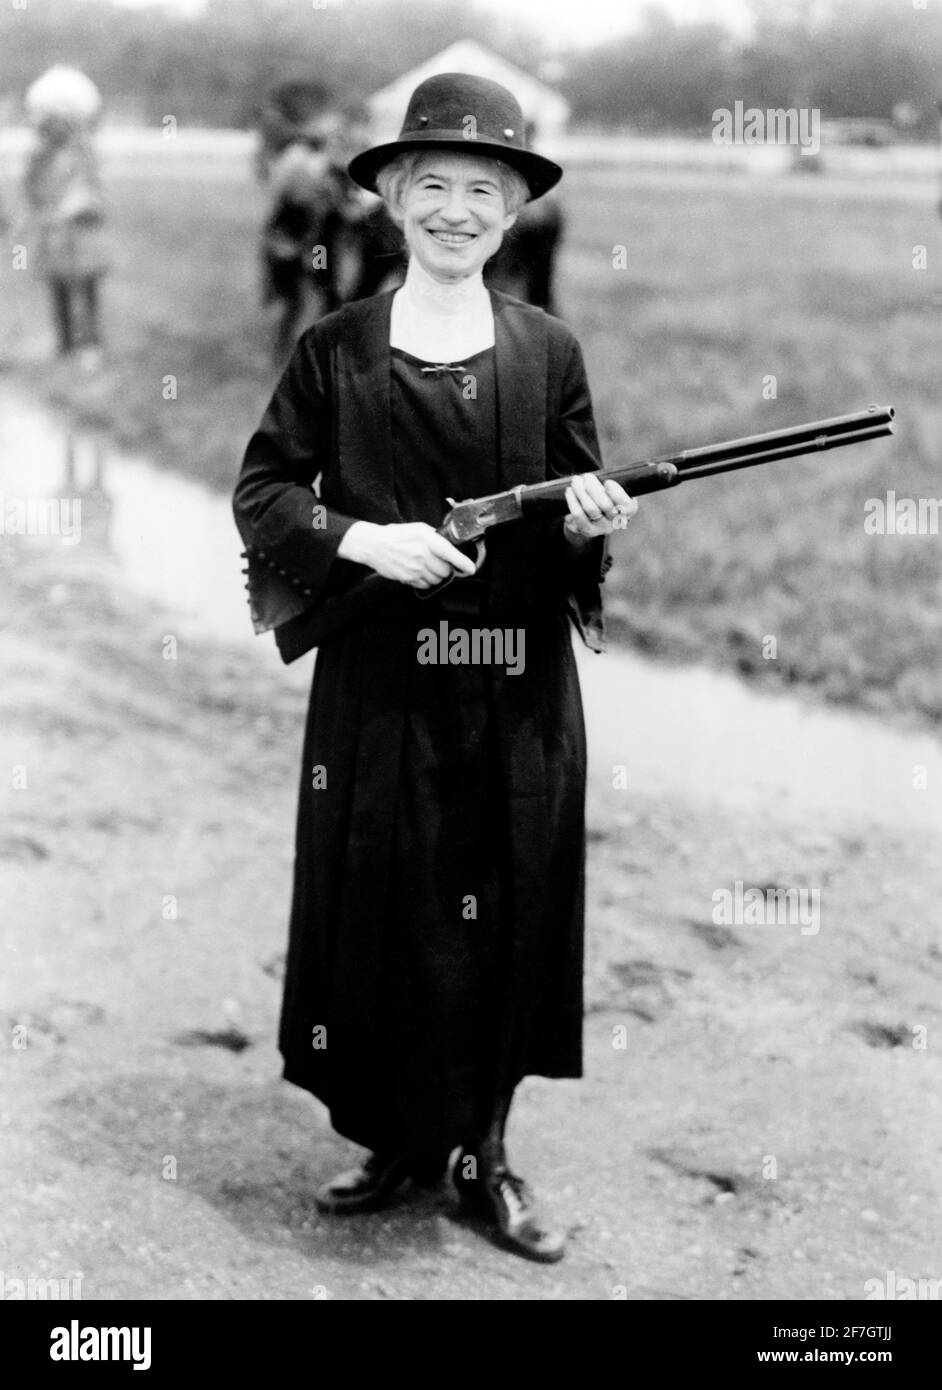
x=539 y=174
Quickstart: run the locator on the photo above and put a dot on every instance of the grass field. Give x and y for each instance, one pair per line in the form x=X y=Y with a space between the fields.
x=728 y=282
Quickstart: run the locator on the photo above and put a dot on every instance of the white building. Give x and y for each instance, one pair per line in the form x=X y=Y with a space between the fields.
x=548 y=111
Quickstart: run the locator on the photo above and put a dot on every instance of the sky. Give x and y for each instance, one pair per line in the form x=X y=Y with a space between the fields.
x=583 y=22
x=571 y=23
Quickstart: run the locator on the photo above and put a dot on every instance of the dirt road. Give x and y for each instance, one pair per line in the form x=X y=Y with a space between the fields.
x=762 y=1111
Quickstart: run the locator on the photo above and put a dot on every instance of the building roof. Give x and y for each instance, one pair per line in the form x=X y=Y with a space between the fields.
x=541 y=104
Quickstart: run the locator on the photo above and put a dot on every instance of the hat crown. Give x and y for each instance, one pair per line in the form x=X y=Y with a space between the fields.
x=464 y=107
x=457 y=111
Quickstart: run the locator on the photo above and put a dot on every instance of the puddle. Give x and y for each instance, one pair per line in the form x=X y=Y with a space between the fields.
x=690 y=732
x=169 y=538
x=686 y=733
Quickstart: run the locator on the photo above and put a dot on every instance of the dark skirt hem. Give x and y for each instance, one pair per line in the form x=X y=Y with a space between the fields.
x=350 y=1128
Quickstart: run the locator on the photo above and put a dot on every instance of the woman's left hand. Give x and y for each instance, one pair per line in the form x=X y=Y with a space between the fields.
x=596 y=508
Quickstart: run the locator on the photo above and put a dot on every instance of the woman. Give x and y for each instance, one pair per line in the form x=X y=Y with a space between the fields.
x=435 y=951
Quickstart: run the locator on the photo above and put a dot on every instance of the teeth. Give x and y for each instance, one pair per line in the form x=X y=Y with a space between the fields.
x=453 y=238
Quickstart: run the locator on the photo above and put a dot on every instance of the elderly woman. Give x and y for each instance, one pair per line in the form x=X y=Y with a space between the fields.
x=435 y=950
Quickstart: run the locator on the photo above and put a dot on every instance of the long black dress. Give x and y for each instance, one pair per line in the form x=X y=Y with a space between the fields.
x=450 y=909
x=435 y=946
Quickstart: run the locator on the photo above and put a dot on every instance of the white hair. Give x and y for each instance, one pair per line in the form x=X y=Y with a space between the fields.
x=394 y=179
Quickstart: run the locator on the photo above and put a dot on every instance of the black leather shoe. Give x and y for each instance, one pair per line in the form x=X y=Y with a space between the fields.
x=366 y=1188
x=501 y=1198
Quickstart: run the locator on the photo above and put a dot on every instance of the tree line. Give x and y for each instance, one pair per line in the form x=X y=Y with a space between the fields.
x=865 y=58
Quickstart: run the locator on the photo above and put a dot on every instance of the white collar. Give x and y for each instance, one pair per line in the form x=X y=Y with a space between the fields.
x=441 y=322
x=422 y=293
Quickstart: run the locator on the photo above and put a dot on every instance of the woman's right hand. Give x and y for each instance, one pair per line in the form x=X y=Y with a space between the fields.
x=410 y=552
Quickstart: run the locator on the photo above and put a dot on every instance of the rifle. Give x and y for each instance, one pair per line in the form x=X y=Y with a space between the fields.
x=298 y=627
x=467 y=523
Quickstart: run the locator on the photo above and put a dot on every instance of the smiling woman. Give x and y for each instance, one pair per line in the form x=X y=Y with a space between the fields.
x=435 y=950
x=453 y=208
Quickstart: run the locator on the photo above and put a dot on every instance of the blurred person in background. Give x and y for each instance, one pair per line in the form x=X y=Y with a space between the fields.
x=305 y=196
x=62 y=190
x=436 y=940
x=300 y=162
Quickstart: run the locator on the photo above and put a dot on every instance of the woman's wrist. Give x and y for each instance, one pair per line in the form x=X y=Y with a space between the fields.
x=574 y=537
x=357 y=542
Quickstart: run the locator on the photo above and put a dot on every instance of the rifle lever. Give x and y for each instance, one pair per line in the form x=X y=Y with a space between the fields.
x=477 y=555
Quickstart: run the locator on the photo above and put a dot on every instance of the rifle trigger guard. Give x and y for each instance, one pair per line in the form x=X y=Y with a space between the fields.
x=480 y=551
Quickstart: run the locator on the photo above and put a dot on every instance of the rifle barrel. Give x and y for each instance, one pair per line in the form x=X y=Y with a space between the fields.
x=548 y=499
x=872 y=423
x=783 y=451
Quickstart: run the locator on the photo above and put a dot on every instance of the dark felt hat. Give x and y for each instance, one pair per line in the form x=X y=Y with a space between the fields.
x=455 y=111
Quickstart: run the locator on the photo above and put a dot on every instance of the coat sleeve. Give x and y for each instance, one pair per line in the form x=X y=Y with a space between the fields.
x=290 y=537
x=573 y=447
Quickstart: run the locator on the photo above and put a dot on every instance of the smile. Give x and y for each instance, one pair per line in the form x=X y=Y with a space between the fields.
x=453 y=238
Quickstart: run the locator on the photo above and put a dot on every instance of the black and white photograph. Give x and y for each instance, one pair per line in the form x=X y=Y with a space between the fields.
x=470 y=753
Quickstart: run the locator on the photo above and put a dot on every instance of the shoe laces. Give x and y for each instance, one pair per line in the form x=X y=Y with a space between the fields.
x=514 y=1191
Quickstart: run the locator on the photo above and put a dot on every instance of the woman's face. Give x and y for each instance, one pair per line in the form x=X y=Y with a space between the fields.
x=453 y=214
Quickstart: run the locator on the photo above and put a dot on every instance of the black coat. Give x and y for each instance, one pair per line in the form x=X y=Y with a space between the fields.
x=330 y=416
